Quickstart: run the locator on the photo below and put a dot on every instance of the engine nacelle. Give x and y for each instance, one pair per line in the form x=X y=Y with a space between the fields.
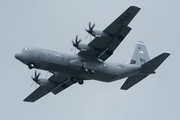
x=98 y=33
x=43 y=81
x=85 y=47
x=75 y=64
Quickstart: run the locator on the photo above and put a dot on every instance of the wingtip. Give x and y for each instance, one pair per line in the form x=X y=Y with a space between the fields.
x=122 y=88
x=167 y=54
x=133 y=6
x=25 y=100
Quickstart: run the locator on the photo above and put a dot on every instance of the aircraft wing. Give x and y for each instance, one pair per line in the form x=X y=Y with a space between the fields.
x=62 y=86
x=118 y=29
x=56 y=81
x=40 y=92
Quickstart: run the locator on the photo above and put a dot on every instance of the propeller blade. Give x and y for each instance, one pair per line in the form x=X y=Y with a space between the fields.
x=75 y=51
x=32 y=84
x=72 y=42
x=92 y=27
x=87 y=36
x=76 y=43
x=35 y=85
x=32 y=78
x=89 y=25
x=90 y=30
x=36 y=76
x=35 y=79
x=72 y=48
x=76 y=39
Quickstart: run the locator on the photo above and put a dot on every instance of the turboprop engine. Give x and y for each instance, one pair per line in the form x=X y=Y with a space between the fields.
x=96 y=33
x=43 y=81
x=85 y=47
x=81 y=47
x=40 y=81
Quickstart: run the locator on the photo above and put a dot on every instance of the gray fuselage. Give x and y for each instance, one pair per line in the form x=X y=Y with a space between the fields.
x=76 y=66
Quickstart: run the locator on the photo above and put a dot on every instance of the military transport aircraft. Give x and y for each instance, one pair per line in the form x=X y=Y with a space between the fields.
x=89 y=63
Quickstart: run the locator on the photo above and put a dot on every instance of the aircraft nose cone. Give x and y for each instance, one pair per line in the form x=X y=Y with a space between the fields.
x=22 y=57
x=18 y=56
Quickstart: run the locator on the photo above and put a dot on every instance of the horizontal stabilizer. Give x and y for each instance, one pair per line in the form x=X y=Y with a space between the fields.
x=147 y=69
x=154 y=63
x=132 y=81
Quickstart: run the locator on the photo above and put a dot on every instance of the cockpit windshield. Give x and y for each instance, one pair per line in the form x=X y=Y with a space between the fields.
x=24 y=49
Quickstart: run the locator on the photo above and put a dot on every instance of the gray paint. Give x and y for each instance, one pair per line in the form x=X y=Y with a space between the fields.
x=70 y=69
x=55 y=63
x=49 y=24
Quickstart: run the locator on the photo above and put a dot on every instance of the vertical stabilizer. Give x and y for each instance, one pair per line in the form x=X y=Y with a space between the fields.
x=140 y=55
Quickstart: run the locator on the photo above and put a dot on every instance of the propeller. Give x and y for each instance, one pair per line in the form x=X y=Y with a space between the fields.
x=35 y=78
x=90 y=30
x=76 y=43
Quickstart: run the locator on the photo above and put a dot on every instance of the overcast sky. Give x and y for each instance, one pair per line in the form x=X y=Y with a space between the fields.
x=52 y=24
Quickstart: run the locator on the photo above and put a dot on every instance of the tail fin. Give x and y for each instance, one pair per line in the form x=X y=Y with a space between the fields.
x=147 y=68
x=140 y=55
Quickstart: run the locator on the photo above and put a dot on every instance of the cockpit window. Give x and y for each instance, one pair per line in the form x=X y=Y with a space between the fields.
x=24 y=49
